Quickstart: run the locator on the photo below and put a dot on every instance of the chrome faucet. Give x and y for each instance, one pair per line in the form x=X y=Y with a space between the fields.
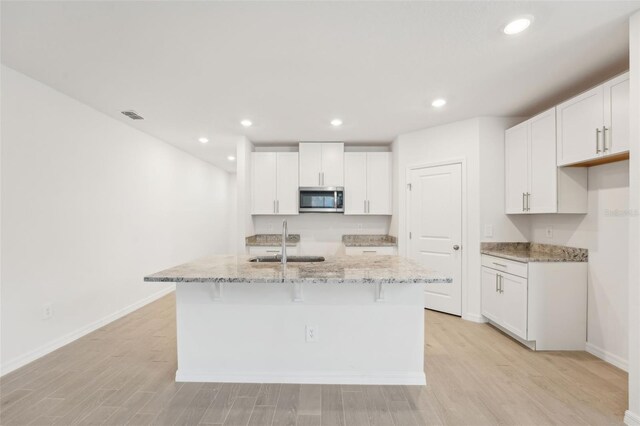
x=284 y=242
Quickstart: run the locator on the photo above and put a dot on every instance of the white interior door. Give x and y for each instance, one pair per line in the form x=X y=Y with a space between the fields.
x=435 y=226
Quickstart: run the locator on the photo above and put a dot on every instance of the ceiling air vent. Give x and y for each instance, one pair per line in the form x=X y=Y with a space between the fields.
x=133 y=115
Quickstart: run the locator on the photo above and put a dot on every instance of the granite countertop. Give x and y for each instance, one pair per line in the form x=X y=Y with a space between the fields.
x=271 y=240
x=369 y=240
x=339 y=269
x=534 y=252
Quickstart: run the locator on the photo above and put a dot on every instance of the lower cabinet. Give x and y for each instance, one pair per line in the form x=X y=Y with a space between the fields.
x=382 y=250
x=541 y=304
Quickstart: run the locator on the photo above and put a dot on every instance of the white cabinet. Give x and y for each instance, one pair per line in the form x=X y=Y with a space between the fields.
x=616 y=115
x=367 y=183
x=533 y=182
x=594 y=124
x=541 y=304
x=378 y=250
x=274 y=183
x=321 y=164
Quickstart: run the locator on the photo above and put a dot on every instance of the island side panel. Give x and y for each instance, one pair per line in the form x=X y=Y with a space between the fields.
x=257 y=333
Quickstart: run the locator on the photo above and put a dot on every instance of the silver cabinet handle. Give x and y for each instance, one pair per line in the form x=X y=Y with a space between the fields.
x=369 y=251
x=368 y=206
x=501 y=284
x=499 y=264
x=497 y=282
x=365 y=206
x=456 y=247
x=528 y=201
x=598 y=141
x=523 y=203
x=274 y=206
x=320 y=178
x=277 y=206
x=604 y=139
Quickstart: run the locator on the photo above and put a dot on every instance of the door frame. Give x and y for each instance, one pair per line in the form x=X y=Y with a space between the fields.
x=464 y=273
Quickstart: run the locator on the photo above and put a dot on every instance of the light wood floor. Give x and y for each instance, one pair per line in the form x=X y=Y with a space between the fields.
x=123 y=374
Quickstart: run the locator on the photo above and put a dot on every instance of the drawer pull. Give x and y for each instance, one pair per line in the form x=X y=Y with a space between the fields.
x=369 y=251
x=499 y=264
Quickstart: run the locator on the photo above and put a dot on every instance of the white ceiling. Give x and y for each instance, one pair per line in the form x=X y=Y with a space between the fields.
x=197 y=68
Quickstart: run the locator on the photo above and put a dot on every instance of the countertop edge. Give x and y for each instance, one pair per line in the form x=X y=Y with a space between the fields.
x=532 y=260
x=301 y=280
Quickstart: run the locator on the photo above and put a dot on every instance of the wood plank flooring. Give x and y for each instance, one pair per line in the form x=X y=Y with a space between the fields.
x=123 y=374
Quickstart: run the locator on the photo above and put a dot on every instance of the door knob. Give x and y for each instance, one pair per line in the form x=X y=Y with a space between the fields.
x=456 y=247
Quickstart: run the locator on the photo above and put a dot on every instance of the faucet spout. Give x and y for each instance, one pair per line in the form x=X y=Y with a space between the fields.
x=284 y=242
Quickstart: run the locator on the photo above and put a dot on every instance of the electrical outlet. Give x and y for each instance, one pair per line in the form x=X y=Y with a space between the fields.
x=311 y=333
x=488 y=231
x=549 y=232
x=47 y=311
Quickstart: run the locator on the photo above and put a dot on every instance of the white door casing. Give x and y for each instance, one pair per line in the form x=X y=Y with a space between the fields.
x=435 y=231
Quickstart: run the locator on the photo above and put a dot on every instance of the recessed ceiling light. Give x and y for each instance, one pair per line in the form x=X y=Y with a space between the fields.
x=517 y=26
x=246 y=123
x=336 y=122
x=438 y=103
x=231 y=158
x=203 y=140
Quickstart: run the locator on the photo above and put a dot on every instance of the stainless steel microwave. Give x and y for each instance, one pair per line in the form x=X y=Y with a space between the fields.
x=321 y=199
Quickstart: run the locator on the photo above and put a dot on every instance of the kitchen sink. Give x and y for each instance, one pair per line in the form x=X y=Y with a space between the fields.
x=291 y=259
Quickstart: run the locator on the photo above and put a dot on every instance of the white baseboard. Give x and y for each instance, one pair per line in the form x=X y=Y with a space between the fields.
x=33 y=355
x=474 y=318
x=321 y=377
x=607 y=356
x=631 y=419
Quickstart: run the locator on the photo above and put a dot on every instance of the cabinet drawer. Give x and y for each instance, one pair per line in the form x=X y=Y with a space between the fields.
x=382 y=250
x=270 y=250
x=505 y=265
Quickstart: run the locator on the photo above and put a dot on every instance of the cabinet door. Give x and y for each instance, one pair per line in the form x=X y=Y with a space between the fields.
x=310 y=164
x=616 y=115
x=332 y=164
x=516 y=168
x=580 y=122
x=263 y=182
x=490 y=295
x=513 y=304
x=287 y=183
x=543 y=169
x=355 y=182
x=379 y=183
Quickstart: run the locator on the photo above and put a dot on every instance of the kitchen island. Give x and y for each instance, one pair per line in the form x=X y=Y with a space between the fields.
x=347 y=320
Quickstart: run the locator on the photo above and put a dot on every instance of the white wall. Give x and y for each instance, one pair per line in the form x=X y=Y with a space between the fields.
x=91 y=205
x=604 y=230
x=461 y=140
x=243 y=193
x=321 y=233
x=633 y=414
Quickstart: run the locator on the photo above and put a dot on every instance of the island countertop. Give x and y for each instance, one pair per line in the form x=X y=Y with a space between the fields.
x=338 y=269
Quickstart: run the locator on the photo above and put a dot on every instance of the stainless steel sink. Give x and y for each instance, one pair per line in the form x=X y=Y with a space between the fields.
x=274 y=259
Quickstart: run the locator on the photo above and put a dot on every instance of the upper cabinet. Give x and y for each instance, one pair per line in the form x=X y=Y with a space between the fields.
x=274 y=183
x=533 y=182
x=322 y=164
x=594 y=127
x=367 y=183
